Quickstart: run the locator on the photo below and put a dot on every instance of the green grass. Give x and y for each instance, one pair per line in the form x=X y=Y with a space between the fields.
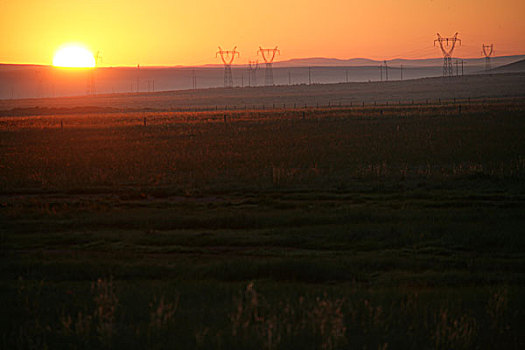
x=344 y=230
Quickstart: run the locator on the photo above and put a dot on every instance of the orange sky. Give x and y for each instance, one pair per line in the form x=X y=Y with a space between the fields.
x=174 y=32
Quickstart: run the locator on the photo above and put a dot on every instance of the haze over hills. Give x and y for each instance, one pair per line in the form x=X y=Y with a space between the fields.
x=328 y=62
x=425 y=62
x=34 y=81
x=511 y=67
x=366 y=62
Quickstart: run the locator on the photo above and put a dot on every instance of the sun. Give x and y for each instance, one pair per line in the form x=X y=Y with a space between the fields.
x=74 y=56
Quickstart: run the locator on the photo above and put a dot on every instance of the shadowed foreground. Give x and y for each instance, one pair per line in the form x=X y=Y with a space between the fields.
x=378 y=227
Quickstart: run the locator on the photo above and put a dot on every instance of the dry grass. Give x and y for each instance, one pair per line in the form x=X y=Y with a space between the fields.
x=375 y=228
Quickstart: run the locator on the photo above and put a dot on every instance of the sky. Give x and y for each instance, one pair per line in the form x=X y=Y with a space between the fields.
x=175 y=32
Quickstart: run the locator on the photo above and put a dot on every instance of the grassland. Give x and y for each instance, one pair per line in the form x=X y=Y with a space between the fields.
x=418 y=91
x=373 y=227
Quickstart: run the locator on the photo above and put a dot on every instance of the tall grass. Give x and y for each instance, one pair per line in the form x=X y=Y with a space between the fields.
x=343 y=228
x=334 y=320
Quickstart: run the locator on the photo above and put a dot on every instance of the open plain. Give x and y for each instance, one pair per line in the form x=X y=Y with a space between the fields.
x=364 y=215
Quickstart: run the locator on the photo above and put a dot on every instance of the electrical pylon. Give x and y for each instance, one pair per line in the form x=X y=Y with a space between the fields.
x=138 y=77
x=487 y=51
x=227 y=58
x=268 y=56
x=447 y=49
x=91 y=85
x=252 y=70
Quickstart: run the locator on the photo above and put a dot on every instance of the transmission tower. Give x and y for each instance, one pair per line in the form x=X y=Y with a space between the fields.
x=268 y=56
x=487 y=51
x=193 y=80
x=227 y=58
x=447 y=46
x=252 y=70
x=91 y=84
x=138 y=77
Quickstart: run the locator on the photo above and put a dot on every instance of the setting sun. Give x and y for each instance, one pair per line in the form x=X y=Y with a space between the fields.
x=74 y=56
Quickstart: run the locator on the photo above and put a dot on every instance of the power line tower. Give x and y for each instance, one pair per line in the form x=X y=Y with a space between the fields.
x=268 y=56
x=447 y=46
x=487 y=51
x=227 y=58
x=138 y=77
x=91 y=84
x=252 y=70
x=386 y=70
x=193 y=80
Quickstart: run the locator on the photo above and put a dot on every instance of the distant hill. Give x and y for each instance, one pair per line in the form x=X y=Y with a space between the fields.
x=33 y=81
x=359 y=62
x=511 y=67
x=326 y=62
x=13 y=67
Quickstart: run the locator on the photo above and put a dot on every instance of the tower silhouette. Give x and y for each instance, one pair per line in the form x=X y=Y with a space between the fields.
x=447 y=46
x=91 y=90
x=487 y=51
x=268 y=56
x=227 y=58
x=252 y=70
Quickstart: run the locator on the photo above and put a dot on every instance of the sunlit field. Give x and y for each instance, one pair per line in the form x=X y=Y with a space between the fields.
x=364 y=227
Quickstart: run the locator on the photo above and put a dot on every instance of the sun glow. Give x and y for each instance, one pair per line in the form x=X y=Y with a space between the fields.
x=74 y=56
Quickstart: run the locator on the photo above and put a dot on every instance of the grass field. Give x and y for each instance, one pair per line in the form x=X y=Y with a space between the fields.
x=418 y=91
x=376 y=227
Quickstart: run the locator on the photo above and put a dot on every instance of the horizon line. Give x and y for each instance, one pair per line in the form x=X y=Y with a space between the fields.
x=213 y=65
